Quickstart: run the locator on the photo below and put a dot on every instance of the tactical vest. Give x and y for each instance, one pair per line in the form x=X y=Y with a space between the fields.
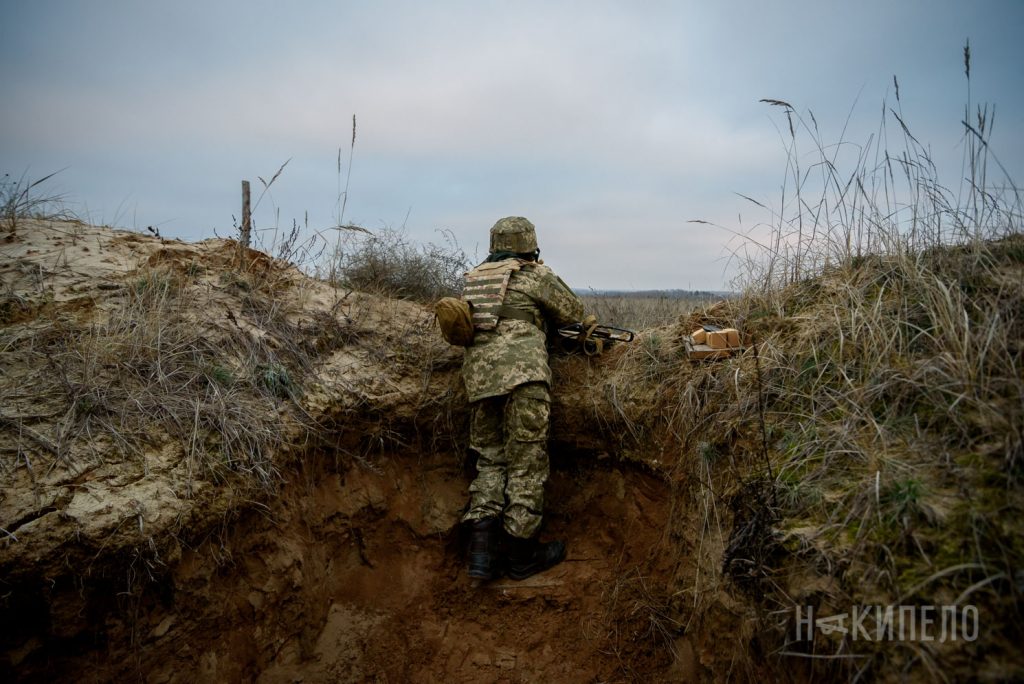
x=485 y=290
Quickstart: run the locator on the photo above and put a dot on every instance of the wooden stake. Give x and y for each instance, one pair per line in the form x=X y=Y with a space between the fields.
x=246 y=236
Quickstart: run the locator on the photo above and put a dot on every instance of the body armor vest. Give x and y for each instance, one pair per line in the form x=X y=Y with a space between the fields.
x=485 y=291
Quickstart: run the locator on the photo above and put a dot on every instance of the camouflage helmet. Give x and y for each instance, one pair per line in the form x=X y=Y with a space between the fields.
x=513 y=234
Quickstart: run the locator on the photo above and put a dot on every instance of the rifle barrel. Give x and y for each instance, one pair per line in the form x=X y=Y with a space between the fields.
x=606 y=332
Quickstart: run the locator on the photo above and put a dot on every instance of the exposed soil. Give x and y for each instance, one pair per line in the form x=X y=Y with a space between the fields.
x=359 y=575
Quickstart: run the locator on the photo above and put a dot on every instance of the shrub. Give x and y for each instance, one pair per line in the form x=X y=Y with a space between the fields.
x=389 y=263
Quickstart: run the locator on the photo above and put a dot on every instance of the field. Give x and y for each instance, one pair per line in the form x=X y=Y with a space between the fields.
x=646 y=309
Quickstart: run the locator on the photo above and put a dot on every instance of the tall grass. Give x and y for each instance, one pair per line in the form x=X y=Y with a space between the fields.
x=888 y=312
x=25 y=199
x=884 y=313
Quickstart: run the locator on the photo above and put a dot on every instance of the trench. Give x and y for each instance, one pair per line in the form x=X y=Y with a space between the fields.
x=356 y=574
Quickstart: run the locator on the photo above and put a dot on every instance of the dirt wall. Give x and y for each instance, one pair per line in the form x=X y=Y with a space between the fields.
x=358 y=574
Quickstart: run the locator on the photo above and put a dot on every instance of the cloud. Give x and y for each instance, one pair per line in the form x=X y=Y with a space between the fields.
x=609 y=124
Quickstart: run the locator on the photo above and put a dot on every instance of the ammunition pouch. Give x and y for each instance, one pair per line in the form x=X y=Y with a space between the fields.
x=455 y=321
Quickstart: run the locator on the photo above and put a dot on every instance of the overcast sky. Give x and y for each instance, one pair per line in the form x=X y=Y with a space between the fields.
x=609 y=124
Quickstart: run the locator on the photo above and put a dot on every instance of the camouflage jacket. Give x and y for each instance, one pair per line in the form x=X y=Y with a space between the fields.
x=515 y=352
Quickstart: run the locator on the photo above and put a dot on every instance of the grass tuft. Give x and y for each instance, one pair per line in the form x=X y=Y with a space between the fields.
x=23 y=199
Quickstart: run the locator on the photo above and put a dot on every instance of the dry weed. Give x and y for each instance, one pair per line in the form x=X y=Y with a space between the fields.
x=886 y=311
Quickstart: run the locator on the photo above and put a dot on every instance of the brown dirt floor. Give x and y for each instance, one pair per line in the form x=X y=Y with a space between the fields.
x=359 y=576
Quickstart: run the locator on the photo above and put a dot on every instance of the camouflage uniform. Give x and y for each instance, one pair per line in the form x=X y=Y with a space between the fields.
x=507 y=379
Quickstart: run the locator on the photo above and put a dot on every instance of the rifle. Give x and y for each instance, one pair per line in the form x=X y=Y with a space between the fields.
x=592 y=338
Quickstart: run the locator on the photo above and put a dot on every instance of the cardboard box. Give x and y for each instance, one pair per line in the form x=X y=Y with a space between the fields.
x=703 y=351
x=720 y=344
x=717 y=339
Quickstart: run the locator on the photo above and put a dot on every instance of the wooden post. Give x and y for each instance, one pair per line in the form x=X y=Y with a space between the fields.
x=246 y=236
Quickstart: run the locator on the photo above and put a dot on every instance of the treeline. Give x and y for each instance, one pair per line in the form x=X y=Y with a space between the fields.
x=664 y=294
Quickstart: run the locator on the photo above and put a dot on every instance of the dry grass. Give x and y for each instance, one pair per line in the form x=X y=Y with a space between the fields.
x=390 y=264
x=115 y=382
x=887 y=311
x=123 y=375
x=25 y=199
x=889 y=308
x=642 y=310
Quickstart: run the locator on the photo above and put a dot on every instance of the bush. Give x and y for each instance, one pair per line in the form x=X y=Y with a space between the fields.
x=389 y=263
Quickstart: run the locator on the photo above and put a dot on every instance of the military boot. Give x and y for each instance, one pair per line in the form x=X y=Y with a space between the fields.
x=483 y=543
x=527 y=557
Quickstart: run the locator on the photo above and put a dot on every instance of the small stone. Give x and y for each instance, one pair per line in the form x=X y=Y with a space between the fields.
x=163 y=627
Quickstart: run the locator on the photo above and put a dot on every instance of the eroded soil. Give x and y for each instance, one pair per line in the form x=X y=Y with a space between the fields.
x=357 y=575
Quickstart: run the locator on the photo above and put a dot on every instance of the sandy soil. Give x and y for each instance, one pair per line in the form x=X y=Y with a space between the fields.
x=359 y=576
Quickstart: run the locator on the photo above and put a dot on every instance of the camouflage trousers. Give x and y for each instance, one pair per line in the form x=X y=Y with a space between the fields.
x=509 y=433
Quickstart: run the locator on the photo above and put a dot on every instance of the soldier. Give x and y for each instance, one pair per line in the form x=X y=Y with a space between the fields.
x=514 y=297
